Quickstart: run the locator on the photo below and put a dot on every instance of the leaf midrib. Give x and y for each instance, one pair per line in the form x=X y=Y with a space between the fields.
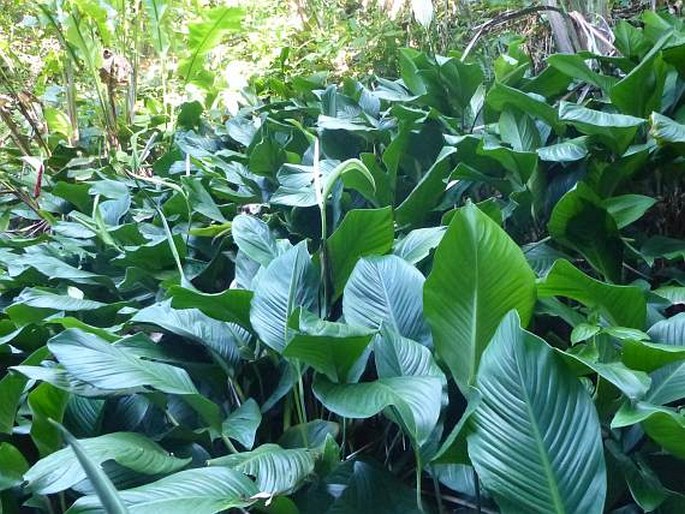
x=547 y=466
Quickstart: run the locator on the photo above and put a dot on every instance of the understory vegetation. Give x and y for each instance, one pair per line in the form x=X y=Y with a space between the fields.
x=422 y=283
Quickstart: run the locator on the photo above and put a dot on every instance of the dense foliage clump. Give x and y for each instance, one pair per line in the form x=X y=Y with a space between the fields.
x=424 y=294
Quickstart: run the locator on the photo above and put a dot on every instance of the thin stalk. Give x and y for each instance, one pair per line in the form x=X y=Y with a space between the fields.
x=438 y=496
x=419 y=499
x=299 y=396
x=71 y=101
x=321 y=201
x=229 y=444
x=476 y=485
x=135 y=62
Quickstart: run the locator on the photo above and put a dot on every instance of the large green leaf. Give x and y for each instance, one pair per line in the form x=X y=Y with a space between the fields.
x=61 y=470
x=501 y=96
x=417 y=244
x=276 y=470
x=479 y=274
x=416 y=207
x=254 y=238
x=222 y=339
x=617 y=131
x=580 y=221
x=621 y=305
x=290 y=281
x=667 y=132
x=204 y=35
x=201 y=491
x=232 y=305
x=242 y=423
x=386 y=290
x=123 y=369
x=12 y=466
x=362 y=232
x=536 y=442
x=626 y=209
x=330 y=348
x=664 y=425
x=113 y=367
x=159 y=20
x=575 y=66
x=640 y=92
x=668 y=382
x=415 y=401
x=409 y=381
x=104 y=488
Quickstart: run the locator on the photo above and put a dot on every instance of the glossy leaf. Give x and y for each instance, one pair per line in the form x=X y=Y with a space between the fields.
x=202 y=491
x=479 y=274
x=534 y=411
x=290 y=281
x=362 y=232
x=386 y=290
x=276 y=470
x=61 y=470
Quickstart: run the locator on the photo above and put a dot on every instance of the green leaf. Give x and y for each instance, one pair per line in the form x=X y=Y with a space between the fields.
x=418 y=243
x=242 y=424
x=204 y=35
x=633 y=384
x=386 y=290
x=519 y=131
x=397 y=360
x=416 y=401
x=254 y=238
x=13 y=465
x=660 y=247
x=674 y=294
x=535 y=440
x=667 y=132
x=620 y=305
x=641 y=90
x=501 y=96
x=626 y=209
x=117 y=368
x=11 y=389
x=309 y=435
x=200 y=200
x=567 y=151
x=426 y=195
x=105 y=490
x=111 y=367
x=232 y=305
x=616 y=131
x=222 y=339
x=665 y=426
x=159 y=24
x=362 y=232
x=61 y=470
x=479 y=274
x=330 y=348
x=581 y=222
x=289 y=281
x=574 y=66
x=668 y=382
x=275 y=470
x=201 y=491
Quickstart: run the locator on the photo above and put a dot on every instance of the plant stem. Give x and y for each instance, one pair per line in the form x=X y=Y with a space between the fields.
x=419 y=500
x=436 y=487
